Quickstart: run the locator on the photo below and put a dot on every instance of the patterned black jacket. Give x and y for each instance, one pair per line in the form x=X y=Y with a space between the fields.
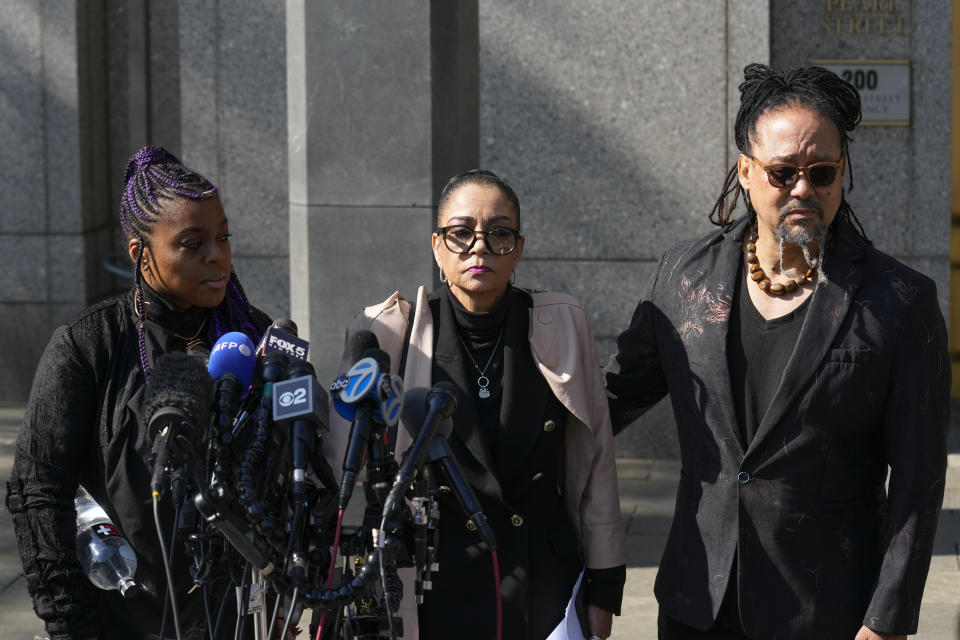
x=84 y=424
x=821 y=547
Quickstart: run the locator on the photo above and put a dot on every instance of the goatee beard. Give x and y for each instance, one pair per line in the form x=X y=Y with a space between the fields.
x=804 y=237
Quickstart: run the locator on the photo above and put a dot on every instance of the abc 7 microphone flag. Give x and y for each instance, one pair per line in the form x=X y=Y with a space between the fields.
x=359 y=382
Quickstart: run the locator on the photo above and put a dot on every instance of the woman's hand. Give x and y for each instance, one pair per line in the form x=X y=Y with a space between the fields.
x=869 y=634
x=600 y=621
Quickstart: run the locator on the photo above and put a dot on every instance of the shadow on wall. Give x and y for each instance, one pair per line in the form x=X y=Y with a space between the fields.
x=616 y=146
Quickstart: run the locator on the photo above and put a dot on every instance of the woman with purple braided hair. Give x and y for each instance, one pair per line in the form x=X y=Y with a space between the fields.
x=86 y=418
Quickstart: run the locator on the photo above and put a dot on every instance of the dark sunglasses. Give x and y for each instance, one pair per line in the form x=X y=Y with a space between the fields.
x=460 y=239
x=784 y=176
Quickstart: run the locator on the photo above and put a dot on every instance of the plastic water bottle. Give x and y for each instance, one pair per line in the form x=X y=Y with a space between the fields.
x=105 y=555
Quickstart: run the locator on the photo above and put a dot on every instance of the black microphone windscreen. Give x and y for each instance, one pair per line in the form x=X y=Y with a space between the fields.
x=445 y=396
x=286 y=324
x=180 y=381
x=299 y=368
x=360 y=342
x=414 y=409
x=382 y=358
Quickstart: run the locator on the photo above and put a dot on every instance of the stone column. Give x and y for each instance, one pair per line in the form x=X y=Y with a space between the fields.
x=56 y=222
x=366 y=150
x=232 y=126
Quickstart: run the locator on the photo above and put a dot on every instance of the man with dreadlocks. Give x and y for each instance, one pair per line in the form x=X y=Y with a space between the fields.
x=85 y=421
x=800 y=362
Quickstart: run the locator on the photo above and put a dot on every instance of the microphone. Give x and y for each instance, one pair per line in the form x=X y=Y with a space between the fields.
x=361 y=379
x=301 y=402
x=439 y=451
x=233 y=353
x=178 y=400
x=232 y=363
x=360 y=342
x=286 y=324
x=438 y=403
x=387 y=393
x=364 y=381
x=282 y=337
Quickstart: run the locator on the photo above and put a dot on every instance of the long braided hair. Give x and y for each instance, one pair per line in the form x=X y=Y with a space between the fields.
x=152 y=176
x=763 y=89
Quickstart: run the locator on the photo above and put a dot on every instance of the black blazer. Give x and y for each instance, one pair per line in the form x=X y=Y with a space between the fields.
x=821 y=548
x=515 y=479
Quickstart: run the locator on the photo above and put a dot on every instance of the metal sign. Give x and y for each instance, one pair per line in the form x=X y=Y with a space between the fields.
x=884 y=87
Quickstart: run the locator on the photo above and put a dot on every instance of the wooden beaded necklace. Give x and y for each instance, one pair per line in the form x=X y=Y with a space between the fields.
x=758 y=276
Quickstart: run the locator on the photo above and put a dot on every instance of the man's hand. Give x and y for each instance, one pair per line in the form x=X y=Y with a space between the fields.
x=600 y=621
x=870 y=634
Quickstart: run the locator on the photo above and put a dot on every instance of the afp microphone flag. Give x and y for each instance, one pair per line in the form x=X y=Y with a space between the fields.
x=234 y=354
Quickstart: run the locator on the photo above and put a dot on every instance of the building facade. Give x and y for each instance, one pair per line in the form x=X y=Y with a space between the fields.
x=330 y=127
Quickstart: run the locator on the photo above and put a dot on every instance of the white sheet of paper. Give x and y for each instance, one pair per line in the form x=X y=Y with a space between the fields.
x=569 y=627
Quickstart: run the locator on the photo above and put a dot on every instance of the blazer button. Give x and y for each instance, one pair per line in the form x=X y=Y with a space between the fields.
x=471 y=526
x=536 y=476
x=743 y=477
x=516 y=520
x=549 y=425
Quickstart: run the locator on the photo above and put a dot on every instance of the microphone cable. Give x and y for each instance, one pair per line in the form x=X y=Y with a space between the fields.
x=206 y=610
x=166 y=563
x=291 y=541
x=383 y=575
x=286 y=623
x=386 y=592
x=223 y=603
x=243 y=604
x=273 y=616
x=497 y=593
x=333 y=567
x=173 y=542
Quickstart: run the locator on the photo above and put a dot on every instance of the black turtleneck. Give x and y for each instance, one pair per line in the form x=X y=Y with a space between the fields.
x=179 y=322
x=515 y=394
x=481 y=336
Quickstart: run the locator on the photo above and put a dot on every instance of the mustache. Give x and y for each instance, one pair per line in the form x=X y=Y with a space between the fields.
x=800 y=204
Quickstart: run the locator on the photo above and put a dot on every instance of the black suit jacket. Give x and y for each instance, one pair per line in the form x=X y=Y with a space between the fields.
x=515 y=479
x=821 y=548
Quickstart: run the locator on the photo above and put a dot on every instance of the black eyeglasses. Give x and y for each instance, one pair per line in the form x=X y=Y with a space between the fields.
x=460 y=239
x=783 y=175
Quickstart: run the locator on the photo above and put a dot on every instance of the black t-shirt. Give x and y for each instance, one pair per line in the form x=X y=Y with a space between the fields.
x=757 y=354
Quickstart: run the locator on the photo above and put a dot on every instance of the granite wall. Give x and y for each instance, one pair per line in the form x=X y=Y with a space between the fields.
x=83 y=85
x=902 y=173
x=366 y=147
x=233 y=129
x=612 y=121
x=331 y=125
x=53 y=164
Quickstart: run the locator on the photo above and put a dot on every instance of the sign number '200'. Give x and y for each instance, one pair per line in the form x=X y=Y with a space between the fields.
x=297 y=396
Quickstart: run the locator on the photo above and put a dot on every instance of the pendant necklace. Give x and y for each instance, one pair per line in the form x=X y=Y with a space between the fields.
x=483 y=381
x=192 y=342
